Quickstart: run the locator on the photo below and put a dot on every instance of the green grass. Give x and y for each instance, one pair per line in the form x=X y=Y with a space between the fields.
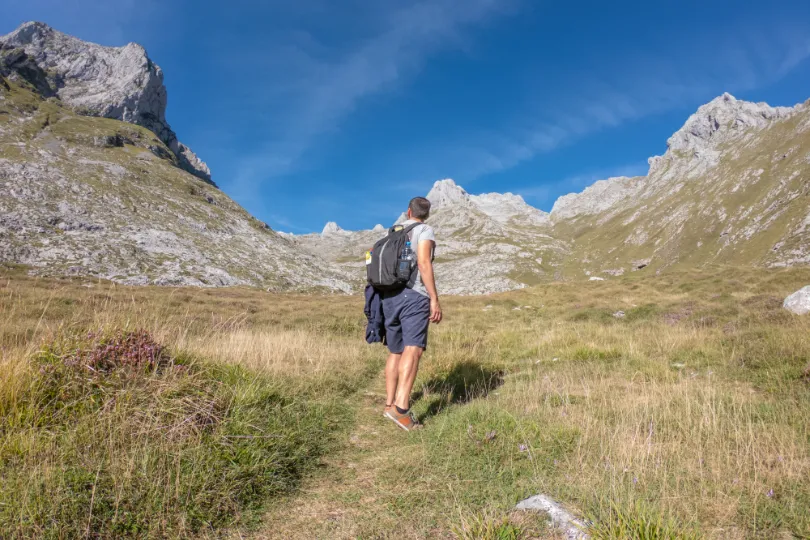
x=686 y=418
x=119 y=447
x=639 y=523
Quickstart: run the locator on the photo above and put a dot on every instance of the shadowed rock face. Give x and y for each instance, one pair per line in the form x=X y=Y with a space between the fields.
x=112 y=82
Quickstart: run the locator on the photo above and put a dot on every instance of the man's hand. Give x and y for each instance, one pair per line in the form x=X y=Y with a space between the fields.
x=435 y=311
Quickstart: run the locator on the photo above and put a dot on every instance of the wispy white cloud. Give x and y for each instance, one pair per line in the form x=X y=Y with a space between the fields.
x=326 y=91
x=646 y=86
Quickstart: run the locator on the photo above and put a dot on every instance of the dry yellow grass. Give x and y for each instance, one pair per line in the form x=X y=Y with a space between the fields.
x=693 y=404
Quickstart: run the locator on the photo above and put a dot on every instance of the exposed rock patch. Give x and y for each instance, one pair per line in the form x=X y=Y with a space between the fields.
x=562 y=519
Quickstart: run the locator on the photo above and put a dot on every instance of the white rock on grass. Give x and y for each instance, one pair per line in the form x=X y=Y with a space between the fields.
x=562 y=519
x=799 y=302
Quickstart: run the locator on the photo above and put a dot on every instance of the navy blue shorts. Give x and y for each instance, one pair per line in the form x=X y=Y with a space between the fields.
x=407 y=316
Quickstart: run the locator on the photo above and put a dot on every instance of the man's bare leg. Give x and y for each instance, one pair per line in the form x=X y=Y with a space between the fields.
x=391 y=377
x=408 y=367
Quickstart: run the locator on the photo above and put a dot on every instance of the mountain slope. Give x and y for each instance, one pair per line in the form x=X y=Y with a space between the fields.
x=93 y=181
x=95 y=196
x=732 y=189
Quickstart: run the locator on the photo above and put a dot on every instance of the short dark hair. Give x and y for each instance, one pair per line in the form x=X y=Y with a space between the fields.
x=419 y=207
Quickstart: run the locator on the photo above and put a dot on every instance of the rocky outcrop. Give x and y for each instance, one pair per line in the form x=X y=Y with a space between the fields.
x=799 y=302
x=485 y=243
x=331 y=228
x=112 y=82
x=16 y=63
x=597 y=198
x=501 y=207
x=723 y=119
x=447 y=193
x=505 y=207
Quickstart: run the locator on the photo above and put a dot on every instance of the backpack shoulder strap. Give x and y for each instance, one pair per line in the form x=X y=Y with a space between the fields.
x=412 y=226
x=406 y=230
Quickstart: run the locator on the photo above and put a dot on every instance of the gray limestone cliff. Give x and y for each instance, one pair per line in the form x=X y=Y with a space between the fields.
x=122 y=83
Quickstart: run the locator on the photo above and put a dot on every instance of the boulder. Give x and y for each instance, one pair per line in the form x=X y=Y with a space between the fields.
x=799 y=302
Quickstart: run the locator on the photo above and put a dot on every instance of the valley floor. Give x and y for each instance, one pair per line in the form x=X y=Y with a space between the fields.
x=677 y=404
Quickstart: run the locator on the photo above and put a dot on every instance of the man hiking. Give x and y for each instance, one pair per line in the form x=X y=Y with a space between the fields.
x=408 y=313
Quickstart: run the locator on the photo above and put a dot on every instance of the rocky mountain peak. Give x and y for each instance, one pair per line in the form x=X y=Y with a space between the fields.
x=112 y=82
x=331 y=228
x=29 y=31
x=447 y=192
x=503 y=207
x=692 y=150
x=723 y=118
x=594 y=199
x=378 y=228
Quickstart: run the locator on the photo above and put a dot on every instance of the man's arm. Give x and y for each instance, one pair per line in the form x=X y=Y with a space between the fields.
x=425 y=257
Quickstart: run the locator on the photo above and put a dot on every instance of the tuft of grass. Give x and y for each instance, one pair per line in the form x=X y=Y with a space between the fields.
x=486 y=528
x=638 y=522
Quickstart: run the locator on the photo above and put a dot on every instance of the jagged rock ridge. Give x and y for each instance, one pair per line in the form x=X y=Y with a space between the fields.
x=112 y=82
x=731 y=189
x=502 y=207
x=487 y=243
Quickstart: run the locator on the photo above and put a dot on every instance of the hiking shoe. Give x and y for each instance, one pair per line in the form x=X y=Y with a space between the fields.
x=406 y=421
x=387 y=411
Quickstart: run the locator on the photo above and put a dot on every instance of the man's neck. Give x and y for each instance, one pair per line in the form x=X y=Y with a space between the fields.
x=416 y=220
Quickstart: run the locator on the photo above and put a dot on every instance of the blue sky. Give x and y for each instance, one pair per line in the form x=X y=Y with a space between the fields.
x=341 y=110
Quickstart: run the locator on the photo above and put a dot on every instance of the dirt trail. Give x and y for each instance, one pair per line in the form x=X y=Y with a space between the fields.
x=345 y=497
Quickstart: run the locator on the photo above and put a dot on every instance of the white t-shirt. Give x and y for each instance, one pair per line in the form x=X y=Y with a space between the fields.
x=420 y=233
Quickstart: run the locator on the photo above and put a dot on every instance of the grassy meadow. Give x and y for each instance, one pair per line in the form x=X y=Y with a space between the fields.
x=672 y=406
